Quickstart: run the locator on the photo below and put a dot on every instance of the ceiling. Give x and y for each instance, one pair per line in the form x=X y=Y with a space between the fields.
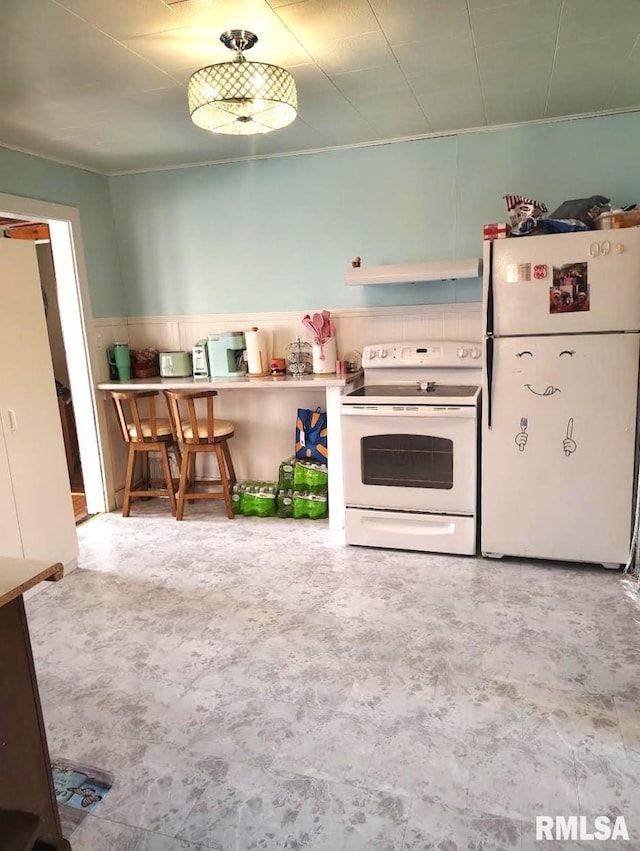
x=102 y=83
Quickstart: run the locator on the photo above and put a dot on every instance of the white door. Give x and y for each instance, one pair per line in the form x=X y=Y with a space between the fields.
x=421 y=460
x=558 y=460
x=565 y=283
x=29 y=412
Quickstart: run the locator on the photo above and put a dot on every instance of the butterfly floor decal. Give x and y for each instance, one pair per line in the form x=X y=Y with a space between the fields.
x=79 y=790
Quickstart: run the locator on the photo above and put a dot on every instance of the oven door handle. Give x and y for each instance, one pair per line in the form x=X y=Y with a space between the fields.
x=401 y=411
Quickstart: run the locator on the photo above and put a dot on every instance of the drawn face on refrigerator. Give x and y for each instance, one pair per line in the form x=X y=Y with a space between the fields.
x=546 y=368
x=559 y=393
x=562 y=434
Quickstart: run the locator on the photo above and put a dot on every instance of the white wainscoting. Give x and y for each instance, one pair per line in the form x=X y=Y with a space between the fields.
x=355 y=327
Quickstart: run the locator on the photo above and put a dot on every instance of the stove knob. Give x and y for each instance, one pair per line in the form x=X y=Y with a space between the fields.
x=475 y=353
x=462 y=353
x=382 y=353
x=371 y=354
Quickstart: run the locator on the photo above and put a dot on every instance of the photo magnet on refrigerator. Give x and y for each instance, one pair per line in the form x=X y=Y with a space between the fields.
x=569 y=291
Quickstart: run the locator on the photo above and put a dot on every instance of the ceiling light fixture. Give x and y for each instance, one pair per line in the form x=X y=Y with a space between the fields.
x=241 y=97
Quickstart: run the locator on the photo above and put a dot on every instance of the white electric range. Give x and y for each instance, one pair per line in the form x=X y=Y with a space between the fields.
x=410 y=447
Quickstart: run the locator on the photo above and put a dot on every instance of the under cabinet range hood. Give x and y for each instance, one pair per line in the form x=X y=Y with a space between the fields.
x=414 y=273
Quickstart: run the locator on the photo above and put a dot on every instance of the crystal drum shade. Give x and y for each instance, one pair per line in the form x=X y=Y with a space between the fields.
x=242 y=98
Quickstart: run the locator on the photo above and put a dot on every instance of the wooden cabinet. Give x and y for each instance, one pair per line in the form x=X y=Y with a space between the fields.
x=36 y=514
x=28 y=804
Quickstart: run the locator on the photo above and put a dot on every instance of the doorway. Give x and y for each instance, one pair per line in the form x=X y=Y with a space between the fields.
x=60 y=371
x=69 y=320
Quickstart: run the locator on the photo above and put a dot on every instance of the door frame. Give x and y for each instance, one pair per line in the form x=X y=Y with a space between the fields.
x=76 y=319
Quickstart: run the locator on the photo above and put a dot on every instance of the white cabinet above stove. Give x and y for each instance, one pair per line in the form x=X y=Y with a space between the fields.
x=414 y=273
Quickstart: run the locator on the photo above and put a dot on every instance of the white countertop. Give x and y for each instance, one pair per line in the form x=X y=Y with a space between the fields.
x=267 y=382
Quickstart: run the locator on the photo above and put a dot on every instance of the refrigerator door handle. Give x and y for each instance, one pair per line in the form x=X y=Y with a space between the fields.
x=489 y=317
x=489 y=367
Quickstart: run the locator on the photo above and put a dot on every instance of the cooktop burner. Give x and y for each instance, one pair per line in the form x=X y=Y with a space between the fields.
x=413 y=391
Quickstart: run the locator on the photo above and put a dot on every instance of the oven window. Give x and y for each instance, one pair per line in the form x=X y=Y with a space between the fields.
x=407 y=461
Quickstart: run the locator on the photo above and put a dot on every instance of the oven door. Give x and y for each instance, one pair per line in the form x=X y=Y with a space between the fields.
x=410 y=457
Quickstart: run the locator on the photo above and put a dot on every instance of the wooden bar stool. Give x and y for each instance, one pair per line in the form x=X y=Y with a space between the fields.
x=145 y=435
x=204 y=434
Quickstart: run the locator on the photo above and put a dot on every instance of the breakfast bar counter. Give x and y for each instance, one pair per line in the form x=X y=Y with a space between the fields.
x=264 y=419
x=257 y=382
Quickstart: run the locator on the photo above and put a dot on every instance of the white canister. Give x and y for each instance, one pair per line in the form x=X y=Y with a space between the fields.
x=325 y=365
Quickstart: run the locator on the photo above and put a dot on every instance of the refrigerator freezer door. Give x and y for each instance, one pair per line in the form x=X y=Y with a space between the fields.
x=558 y=461
x=564 y=284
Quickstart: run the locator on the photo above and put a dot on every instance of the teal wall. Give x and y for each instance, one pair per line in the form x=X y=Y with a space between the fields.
x=33 y=177
x=278 y=234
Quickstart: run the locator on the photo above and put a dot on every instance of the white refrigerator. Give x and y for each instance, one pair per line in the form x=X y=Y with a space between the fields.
x=560 y=382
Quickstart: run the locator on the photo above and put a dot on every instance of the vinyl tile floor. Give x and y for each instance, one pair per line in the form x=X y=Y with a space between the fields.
x=255 y=686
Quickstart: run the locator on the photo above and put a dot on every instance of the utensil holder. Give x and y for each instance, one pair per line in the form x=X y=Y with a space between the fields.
x=324 y=365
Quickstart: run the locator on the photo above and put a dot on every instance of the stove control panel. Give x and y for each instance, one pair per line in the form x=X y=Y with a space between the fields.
x=437 y=353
